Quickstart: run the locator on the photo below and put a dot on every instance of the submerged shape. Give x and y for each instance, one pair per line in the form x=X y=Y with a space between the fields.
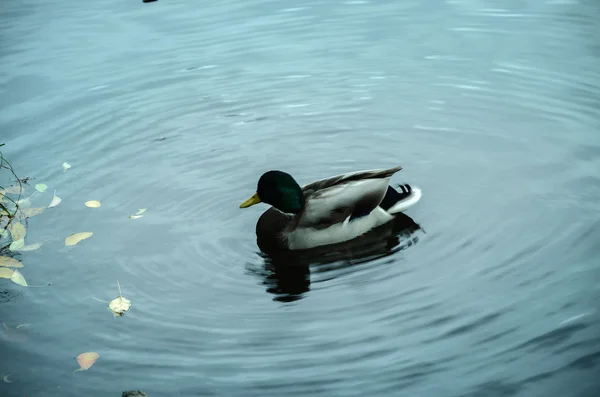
x=14 y=189
x=66 y=166
x=29 y=212
x=133 y=393
x=6 y=272
x=6 y=261
x=77 y=237
x=41 y=187
x=18 y=278
x=17 y=231
x=93 y=204
x=86 y=360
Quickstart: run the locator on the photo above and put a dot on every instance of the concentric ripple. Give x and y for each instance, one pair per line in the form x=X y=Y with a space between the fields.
x=179 y=107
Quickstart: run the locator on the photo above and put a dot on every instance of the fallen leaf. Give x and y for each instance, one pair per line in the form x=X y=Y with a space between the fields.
x=119 y=305
x=6 y=272
x=77 y=237
x=18 y=278
x=29 y=212
x=55 y=201
x=5 y=379
x=141 y=211
x=18 y=231
x=92 y=204
x=6 y=261
x=135 y=216
x=41 y=187
x=86 y=360
x=3 y=233
x=30 y=247
x=66 y=166
x=16 y=245
x=22 y=326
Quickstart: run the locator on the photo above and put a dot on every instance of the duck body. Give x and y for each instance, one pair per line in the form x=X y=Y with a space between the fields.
x=328 y=211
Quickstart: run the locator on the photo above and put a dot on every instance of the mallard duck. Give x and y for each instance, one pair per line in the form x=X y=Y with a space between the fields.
x=328 y=211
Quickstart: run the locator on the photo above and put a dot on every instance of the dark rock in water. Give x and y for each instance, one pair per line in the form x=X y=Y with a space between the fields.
x=134 y=393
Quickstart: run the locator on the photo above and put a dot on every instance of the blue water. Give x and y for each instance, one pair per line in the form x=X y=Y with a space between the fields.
x=491 y=107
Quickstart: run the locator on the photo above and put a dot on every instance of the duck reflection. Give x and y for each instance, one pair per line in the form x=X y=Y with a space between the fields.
x=286 y=274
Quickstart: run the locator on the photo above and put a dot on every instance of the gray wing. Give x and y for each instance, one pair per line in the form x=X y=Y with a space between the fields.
x=350 y=176
x=333 y=200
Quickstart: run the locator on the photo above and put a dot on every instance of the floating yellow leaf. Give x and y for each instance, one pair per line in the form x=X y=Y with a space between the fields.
x=135 y=216
x=6 y=261
x=86 y=360
x=18 y=278
x=29 y=212
x=6 y=272
x=92 y=204
x=30 y=247
x=3 y=233
x=119 y=305
x=18 y=231
x=16 y=245
x=55 y=201
x=41 y=187
x=77 y=237
x=66 y=166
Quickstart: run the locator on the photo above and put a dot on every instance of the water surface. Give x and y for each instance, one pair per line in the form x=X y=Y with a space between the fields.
x=179 y=106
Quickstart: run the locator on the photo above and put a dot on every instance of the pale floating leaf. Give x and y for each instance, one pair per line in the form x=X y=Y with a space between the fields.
x=135 y=216
x=6 y=272
x=22 y=326
x=86 y=360
x=141 y=211
x=6 y=261
x=3 y=233
x=77 y=237
x=93 y=204
x=55 y=201
x=29 y=212
x=30 y=247
x=16 y=245
x=18 y=278
x=6 y=380
x=66 y=166
x=41 y=187
x=119 y=305
x=18 y=231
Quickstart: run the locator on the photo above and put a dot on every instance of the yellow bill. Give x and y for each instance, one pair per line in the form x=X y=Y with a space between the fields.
x=251 y=201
